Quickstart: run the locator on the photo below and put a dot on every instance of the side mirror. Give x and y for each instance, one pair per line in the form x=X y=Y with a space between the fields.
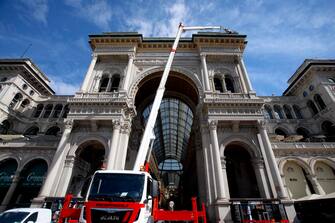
x=147 y=200
x=155 y=188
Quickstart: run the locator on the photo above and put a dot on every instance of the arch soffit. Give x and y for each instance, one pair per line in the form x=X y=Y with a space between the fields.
x=322 y=121
x=325 y=160
x=102 y=140
x=111 y=71
x=284 y=127
x=245 y=142
x=11 y=157
x=223 y=71
x=300 y=162
x=30 y=159
x=188 y=73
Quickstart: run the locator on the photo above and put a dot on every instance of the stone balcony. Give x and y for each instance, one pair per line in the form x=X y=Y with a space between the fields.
x=217 y=97
x=104 y=97
x=303 y=148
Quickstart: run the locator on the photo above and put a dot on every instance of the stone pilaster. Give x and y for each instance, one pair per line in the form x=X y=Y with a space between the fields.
x=205 y=72
x=128 y=73
x=272 y=161
x=114 y=146
x=88 y=77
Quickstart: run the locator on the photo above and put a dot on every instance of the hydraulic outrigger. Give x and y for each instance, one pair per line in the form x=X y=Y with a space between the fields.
x=132 y=196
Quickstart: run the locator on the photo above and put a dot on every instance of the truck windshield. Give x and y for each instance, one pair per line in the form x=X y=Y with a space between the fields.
x=10 y=217
x=117 y=187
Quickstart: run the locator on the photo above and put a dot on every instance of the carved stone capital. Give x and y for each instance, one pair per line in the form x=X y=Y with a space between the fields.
x=261 y=124
x=69 y=124
x=213 y=124
x=131 y=56
x=126 y=128
x=116 y=124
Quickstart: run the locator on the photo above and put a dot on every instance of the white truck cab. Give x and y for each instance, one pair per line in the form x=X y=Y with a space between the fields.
x=129 y=194
x=26 y=215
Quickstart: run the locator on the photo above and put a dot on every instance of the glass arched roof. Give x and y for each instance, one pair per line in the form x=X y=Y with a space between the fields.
x=172 y=131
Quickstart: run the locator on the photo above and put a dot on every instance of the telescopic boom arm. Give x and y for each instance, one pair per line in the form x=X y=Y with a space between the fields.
x=149 y=136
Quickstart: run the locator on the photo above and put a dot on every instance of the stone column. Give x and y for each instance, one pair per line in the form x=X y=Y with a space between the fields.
x=272 y=161
x=245 y=74
x=224 y=84
x=258 y=165
x=66 y=176
x=205 y=148
x=128 y=74
x=10 y=191
x=294 y=116
x=240 y=72
x=88 y=77
x=225 y=178
x=217 y=162
x=273 y=113
x=123 y=145
x=114 y=146
x=205 y=72
x=54 y=169
x=316 y=185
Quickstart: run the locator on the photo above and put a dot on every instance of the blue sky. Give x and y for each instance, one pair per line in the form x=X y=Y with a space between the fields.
x=281 y=34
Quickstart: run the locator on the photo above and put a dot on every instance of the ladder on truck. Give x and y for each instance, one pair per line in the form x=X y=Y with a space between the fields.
x=71 y=214
x=148 y=137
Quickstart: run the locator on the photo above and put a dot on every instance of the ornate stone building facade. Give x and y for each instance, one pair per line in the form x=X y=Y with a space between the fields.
x=215 y=138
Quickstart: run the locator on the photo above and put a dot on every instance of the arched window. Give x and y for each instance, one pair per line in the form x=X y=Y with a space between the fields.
x=38 y=110
x=328 y=128
x=268 y=112
x=218 y=84
x=32 y=131
x=287 y=111
x=66 y=111
x=229 y=84
x=4 y=127
x=47 y=111
x=302 y=131
x=29 y=183
x=281 y=132
x=278 y=112
x=312 y=107
x=24 y=103
x=54 y=130
x=297 y=112
x=115 y=82
x=319 y=102
x=57 y=111
x=331 y=80
x=17 y=97
x=104 y=83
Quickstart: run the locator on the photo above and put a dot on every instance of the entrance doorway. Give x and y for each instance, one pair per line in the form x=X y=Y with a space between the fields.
x=174 y=147
x=89 y=158
x=240 y=173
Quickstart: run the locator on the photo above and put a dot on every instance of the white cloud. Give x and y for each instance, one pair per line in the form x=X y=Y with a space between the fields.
x=63 y=88
x=164 y=26
x=38 y=8
x=98 y=12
